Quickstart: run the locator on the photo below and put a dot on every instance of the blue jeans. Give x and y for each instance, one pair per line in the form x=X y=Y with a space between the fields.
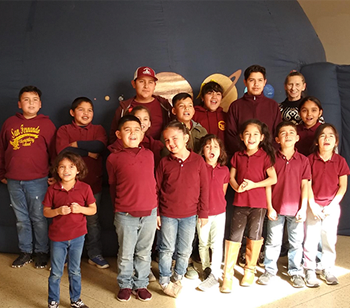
x=274 y=241
x=179 y=232
x=27 y=202
x=93 y=237
x=135 y=239
x=59 y=251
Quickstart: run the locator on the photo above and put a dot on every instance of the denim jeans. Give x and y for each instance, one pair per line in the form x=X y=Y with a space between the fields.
x=274 y=242
x=59 y=251
x=135 y=239
x=26 y=200
x=179 y=232
x=93 y=237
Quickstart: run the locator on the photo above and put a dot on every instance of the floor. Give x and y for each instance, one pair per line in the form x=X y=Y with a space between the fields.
x=27 y=287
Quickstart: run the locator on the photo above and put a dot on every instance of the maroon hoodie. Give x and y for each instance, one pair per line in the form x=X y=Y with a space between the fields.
x=26 y=147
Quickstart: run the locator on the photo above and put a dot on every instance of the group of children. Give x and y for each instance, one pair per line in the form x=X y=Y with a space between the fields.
x=180 y=187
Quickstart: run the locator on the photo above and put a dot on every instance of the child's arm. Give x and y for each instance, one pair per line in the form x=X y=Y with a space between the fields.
x=271 y=212
x=314 y=207
x=76 y=208
x=62 y=210
x=225 y=188
x=233 y=182
x=270 y=180
x=343 y=184
x=301 y=214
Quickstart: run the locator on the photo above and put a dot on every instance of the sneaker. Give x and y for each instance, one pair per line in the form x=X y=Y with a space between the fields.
x=329 y=278
x=297 y=281
x=265 y=278
x=78 y=304
x=151 y=277
x=261 y=259
x=241 y=259
x=191 y=272
x=53 y=304
x=172 y=288
x=208 y=283
x=99 y=261
x=41 y=260
x=142 y=294
x=124 y=295
x=310 y=279
x=23 y=259
x=206 y=273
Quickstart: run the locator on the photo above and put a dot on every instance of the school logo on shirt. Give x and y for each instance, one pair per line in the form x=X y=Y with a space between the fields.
x=24 y=136
x=222 y=125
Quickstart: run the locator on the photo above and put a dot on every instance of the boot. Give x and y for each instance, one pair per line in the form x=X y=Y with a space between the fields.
x=231 y=254
x=252 y=255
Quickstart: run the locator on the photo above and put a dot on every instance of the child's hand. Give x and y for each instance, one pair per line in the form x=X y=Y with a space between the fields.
x=75 y=208
x=242 y=187
x=4 y=181
x=202 y=221
x=300 y=216
x=159 y=222
x=93 y=155
x=272 y=214
x=327 y=210
x=64 y=210
x=51 y=181
x=248 y=184
x=317 y=212
x=74 y=144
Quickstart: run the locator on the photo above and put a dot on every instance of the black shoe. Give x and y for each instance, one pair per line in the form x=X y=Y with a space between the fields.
x=206 y=273
x=41 y=259
x=23 y=259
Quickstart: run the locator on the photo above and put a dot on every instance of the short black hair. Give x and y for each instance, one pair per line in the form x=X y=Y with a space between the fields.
x=79 y=100
x=312 y=99
x=29 y=89
x=210 y=87
x=179 y=97
x=283 y=124
x=254 y=69
x=127 y=118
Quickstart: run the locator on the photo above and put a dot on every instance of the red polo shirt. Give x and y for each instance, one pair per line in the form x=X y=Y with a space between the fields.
x=217 y=176
x=252 y=168
x=307 y=136
x=183 y=187
x=286 y=193
x=325 y=176
x=71 y=226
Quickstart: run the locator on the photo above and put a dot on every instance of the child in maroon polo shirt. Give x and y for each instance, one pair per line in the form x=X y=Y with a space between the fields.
x=329 y=172
x=289 y=202
x=89 y=141
x=209 y=114
x=183 y=191
x=310 y=110
x=130 y=170
x=251 y=176
x=67 y=202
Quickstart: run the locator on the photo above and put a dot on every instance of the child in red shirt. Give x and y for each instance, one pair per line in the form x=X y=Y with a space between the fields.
x=329 y=183
x=251 y=176
x=89 y=141
x=67 y=202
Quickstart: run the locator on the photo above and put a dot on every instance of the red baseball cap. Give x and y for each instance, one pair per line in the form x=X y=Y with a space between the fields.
x=145 y=71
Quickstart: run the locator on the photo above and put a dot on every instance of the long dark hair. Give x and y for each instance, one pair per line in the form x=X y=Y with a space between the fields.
x=319 y=132
x=266 y=143
x=222 y=159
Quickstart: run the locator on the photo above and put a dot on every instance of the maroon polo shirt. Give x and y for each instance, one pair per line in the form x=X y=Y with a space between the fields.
x=213 y=122
x=286 y=193
x=131 y=178
x=217 y=176
x=252 y=168
x=306 y=138
x=71 y=226
x=183 y=187
x=325 y=176
x=67 y=134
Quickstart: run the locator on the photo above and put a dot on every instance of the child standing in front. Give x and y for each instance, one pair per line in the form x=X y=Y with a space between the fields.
x=289 y=202
x=67 y=202
x=251 y=176
x=329 y=183
x=212 y=234
x=183 y=191
x=130 y=170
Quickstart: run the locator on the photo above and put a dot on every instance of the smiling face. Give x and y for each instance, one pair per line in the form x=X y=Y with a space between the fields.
x=175 y=141
x=255 y=83
x=294 y=87
x=67 y=171
x=287 y=137
x=30 y=104
x=211 y=152
x=327 y=140
x=83 y=114
x=130 y=134
x=144 y=87
x=144 y=118
x=212 y=100
x=184 y=110
x=252 y=137
x=310 y=113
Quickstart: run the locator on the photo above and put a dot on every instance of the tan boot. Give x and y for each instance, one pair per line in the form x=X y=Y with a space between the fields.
x=252 y=255
x=231 y=254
